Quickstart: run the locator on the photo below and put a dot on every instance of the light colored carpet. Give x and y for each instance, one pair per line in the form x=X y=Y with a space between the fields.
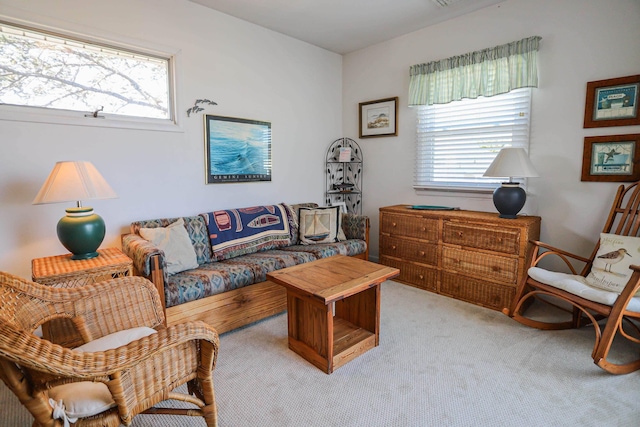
x=441 y=362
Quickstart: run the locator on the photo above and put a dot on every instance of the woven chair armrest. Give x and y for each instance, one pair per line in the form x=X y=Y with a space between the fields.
x=43 y=356
x=141 y=251
x=552 y=250
x=355 y=226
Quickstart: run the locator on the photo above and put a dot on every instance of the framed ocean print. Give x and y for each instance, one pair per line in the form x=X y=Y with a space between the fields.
x=379 y=118
x=612 y=102
x=237 y=150
x=614 y=158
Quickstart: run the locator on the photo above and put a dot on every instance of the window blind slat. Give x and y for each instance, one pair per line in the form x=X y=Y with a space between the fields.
x=456 y=142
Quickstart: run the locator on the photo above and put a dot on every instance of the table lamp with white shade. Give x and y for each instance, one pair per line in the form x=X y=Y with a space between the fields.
x=81 y=231
x=510 y=162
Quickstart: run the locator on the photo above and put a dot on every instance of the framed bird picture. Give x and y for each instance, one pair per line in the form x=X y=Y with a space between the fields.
x=614 y=158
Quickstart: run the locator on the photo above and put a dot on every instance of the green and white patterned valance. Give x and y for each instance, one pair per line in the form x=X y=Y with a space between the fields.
x=485 y=72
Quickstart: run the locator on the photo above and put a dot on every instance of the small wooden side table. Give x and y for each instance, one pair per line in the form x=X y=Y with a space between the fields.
x=63 y=272
x=328 y=337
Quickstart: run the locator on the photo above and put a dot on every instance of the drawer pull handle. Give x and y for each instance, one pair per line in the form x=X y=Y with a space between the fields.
x=495 y=268
x=393 y=224
x=421 y=277
x=424 y=228
x=421 y=253
x=393 y=247
x=459 y=233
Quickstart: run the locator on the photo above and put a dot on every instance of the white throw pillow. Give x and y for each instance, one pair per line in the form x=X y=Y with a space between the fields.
x=176 y=245
x=320 y=225
x=610 y=270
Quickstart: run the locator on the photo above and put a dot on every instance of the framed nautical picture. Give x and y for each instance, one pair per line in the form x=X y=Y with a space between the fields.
x=614 y=158
x=237 y=150
x=379 y=118
x=612 y=102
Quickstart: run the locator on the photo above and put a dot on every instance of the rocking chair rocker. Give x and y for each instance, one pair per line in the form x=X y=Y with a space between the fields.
x=589 y=304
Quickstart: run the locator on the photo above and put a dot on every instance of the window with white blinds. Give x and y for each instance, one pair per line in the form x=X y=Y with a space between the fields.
x=456 y=142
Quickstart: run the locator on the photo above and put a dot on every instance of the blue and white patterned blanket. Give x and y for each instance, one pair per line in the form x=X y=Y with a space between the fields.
x=236 y=232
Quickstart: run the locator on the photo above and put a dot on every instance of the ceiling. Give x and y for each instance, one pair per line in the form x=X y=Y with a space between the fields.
x=343 y=26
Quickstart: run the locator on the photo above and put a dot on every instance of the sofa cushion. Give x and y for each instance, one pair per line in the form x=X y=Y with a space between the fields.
x=174 y=241
x=243 y=231
x=320 y=225
x=265 y=262
x=218 y=277
x=325 y=250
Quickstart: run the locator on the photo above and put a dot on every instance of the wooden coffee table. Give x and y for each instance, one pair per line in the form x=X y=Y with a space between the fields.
x=327 y=339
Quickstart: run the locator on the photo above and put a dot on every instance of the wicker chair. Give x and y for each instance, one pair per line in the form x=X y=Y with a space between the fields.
x=617 y=312
x=137 y=375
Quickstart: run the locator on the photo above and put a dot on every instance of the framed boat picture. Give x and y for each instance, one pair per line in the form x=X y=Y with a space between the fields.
x=237 y=150
x=612 y=102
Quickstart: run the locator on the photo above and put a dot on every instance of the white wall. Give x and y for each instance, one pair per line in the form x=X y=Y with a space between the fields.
x=582 y=41
x=249 y=71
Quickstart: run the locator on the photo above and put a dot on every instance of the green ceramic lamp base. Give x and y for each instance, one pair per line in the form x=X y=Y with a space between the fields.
x=81 y=231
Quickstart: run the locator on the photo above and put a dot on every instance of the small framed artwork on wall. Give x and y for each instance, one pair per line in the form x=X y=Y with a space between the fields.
x=379 y=118
x=612 y=102
x=237 y=150
x=614 y=158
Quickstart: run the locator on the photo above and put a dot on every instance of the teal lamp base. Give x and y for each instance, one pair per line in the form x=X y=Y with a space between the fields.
x=81 y=231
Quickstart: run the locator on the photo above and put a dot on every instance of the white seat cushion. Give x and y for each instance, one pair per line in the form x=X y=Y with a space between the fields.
x=116 y=339
x=87 y=398
x=82 y=399
x=577 y=285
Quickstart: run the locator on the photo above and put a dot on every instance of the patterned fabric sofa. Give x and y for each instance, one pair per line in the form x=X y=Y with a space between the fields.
x=229 y=288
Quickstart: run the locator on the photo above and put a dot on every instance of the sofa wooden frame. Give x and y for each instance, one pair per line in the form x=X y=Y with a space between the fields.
x=231 y=309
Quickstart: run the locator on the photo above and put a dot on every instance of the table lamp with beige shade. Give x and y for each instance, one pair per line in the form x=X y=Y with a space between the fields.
x=81 y=231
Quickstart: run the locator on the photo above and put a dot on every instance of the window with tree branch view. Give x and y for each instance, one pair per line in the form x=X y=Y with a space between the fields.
x=52 y=71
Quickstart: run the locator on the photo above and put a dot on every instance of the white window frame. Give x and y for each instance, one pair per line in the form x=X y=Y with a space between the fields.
x=513 y=122
x=78 y=118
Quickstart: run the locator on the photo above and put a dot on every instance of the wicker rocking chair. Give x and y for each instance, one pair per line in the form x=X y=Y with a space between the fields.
x=607 y=311
x=118 y=374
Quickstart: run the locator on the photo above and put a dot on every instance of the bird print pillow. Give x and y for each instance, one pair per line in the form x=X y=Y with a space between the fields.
x=610 y=270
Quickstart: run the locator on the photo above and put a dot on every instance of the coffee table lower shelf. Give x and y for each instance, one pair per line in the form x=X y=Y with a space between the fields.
x=349 y=342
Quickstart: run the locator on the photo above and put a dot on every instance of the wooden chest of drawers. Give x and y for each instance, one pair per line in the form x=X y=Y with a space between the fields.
x=473 y=256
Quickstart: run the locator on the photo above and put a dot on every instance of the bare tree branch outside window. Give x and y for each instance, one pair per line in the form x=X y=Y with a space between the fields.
x=41 y=70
